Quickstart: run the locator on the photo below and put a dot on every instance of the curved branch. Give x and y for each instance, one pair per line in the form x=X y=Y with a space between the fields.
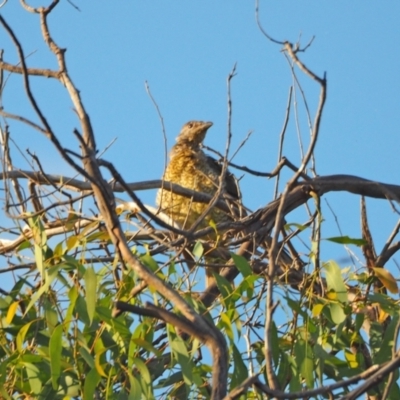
x=322 y=184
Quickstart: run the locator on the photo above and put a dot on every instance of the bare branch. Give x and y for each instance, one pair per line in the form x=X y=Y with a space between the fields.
x=374 y=379
x=46 y=73
x=282 y=136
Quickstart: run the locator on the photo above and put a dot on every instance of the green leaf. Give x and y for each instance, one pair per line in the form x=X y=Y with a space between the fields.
x=72 y=242
x=335 y=281
x=300 y=227
x=145 y=377
x=304 y=359
x=40 y=240
x=50 y=314
x=314 y=250
x=240 y=371
x=387 y=304
x=224 y=287
x=55 y=347
x=307 y=369
x=317 y=309
x=320 y=355
x=4 y=394
x=296 y=307
x=138 y=342
x=347 y=240
x=72 y=295
x=91 y=381
x=33 y=374
x=337 y=313
x=225 y=324
x=283 y=369
x=71 y=264
x=198 y=250
x=38 y=231
x=359 y=320
x=180 y=352
x=91 y=294
x=39 y=259
x=84 y=352
x=58 y=250
x=394 y=393
x=242 y=265
x=12 y=309
x=275 y=343
x=81 y=310
x=351 y=359
x=387 y=279
x=99 y=360
x=26 y=244
x=21 y=336
x=188 y=370
x=99 y=236
x=149 y=261
x=49 y=277
x=386 y=343
x=136 y=392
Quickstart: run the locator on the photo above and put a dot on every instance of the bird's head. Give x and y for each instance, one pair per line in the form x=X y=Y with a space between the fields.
x=193 y=133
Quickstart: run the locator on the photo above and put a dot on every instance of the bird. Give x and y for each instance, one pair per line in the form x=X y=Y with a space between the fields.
x=191 y=168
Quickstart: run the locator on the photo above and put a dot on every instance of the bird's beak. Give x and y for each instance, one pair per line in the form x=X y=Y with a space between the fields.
x=207 y=125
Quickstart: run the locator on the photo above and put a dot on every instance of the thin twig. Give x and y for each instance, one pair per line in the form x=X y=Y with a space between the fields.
x=282 y=137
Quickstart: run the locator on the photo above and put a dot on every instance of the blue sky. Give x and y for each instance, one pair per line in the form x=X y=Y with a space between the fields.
x=185 y=51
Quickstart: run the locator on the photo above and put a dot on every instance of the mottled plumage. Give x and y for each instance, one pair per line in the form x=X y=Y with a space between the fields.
x=191 y=168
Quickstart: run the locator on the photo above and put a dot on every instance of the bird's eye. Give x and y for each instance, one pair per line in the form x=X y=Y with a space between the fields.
x=190 y=125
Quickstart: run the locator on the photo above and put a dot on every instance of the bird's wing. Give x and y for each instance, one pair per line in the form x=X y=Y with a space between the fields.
x=231 y=184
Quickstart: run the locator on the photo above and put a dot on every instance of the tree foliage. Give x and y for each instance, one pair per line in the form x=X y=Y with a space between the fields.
x=108 y=298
